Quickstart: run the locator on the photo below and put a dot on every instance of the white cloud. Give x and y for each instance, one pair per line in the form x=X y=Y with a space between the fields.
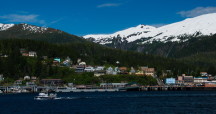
x=23 y=18
x=197 y=11
x=108 y=5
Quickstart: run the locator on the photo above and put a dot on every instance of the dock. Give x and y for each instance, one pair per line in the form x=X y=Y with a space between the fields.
x=34 y=89
x=175 y=88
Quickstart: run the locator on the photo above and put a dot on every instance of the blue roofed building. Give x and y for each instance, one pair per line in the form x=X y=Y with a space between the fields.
x=170 y=81
x=57 y=59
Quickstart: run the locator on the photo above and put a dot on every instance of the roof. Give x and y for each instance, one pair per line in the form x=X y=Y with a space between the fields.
x=201 y=77
x=170 y=78
x=51 y=79
x=123 y=68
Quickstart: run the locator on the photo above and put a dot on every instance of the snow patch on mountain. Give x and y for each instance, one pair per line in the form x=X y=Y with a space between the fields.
x=204 y=25
x=5 y=26
x=34 y=29
x=128 y=34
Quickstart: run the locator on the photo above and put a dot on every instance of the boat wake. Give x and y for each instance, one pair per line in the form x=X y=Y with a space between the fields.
x=65 y=98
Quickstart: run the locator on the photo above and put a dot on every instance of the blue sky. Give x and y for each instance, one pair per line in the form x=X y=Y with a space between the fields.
x=81 y=17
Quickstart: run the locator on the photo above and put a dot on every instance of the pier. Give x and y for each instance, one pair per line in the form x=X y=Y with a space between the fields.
x=175 y=88
x=27 y=89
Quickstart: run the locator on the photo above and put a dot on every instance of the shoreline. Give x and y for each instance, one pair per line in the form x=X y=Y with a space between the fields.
x=6 y=90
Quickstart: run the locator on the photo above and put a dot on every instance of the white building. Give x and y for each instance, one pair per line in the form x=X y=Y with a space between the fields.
x=82 y=63
x=110 y=71
x=89 y=69
x=32 y=54
x=113 y=85
x=200 y=79
x=203 y=73
x=1 y=77
x=99 y=68
x=27 y=77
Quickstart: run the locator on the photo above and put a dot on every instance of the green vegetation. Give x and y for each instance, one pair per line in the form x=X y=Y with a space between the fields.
x=89 y=78
x=197 y=51
x=190 y=57
x=51 y=35
x=143 y=80
x=16 y=66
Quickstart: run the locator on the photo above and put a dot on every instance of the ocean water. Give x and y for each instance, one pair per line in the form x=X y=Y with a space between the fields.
x=181 y=102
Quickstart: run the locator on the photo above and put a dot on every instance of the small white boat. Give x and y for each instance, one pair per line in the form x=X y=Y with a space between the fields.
x=46 y=96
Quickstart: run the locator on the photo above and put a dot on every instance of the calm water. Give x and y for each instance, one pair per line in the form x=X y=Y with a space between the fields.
x=113 y=102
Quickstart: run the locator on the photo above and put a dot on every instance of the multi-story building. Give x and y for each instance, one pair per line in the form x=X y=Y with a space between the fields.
x=148 y=71
x=32 y=54
x=188 y=80
x=200 y=79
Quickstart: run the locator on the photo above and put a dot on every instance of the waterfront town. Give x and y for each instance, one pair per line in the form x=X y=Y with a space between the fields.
x=28 y=83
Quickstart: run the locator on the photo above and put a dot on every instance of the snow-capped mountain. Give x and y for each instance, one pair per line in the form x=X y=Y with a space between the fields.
x=129 y=34
x=33 y=28
x=27 y=31
x=24 y=27
x=201 y=25
x=5 y=26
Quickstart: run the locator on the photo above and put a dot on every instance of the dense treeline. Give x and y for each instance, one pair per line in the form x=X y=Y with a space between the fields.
x=89 y=79
x=197 y=50
x=192 y=45
x=50 y=35
x=16 y=66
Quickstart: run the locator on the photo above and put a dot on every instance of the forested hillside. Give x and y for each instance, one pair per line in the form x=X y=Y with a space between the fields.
x=16 y=65
x=25 y=31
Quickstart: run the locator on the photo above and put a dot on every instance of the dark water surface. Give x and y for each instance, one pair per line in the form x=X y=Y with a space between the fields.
x=200 y=102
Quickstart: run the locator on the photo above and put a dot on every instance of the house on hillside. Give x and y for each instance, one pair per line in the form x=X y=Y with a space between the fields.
x=99 y=71
x=4 y=56
x=148 y=71
x=30 y=84
x=109 y=71
x=203 y=73
x=18 y=82
x=82 y=63
x=89 y=69
x=52 y=82
x=80 y=69
x=24 y=52
x=123 y=70
x=27 y=77
x=1 y=77
x=33 y=78
x=78 y=61
x=56 y=61
x=32 y=54
x=67 y=62
x=116 y=71
x=132 y=71
x=99 y=68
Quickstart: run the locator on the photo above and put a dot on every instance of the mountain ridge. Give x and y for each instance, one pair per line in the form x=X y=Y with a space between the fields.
x=28 y=31
x=197 y=26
